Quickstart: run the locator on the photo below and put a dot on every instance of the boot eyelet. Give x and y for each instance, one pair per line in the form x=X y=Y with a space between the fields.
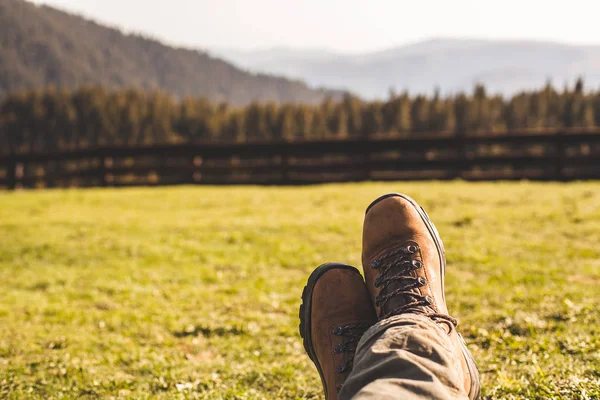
x=428 y=300
x=417 y=264
x=411 y=249
x=338 y=330
x=339 y=349
x=422 y=281
x=340 y=369
x=375 y=264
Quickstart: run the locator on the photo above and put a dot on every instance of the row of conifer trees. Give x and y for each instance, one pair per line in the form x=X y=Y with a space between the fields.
x=52 y=120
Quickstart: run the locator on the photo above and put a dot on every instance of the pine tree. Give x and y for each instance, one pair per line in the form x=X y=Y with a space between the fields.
x=340 y=122
x=237 y=123
x=303 y=122
x=353 y=109
x=461 y=112
x=420 y=114
x=596 y=101
x=272 y=116
x=319 y=128
x=256 y=121
x=287 y=122
x=372 y=120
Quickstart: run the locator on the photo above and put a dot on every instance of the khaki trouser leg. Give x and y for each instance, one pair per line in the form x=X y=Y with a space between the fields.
x=405 y=357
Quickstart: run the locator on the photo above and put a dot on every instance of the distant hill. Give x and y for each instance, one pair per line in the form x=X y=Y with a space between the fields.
x=42 y=46
x=452 y=64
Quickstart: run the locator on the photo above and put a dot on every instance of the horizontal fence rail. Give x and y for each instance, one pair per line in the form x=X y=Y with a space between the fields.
x=537 y=155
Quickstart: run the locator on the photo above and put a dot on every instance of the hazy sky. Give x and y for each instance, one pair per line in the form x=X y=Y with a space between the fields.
x=343 y=25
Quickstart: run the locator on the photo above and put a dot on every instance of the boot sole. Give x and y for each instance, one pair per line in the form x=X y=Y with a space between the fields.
x=473 y=371
x=306 y=307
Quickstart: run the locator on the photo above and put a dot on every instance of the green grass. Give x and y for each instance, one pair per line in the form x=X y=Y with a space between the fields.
x=193 y=292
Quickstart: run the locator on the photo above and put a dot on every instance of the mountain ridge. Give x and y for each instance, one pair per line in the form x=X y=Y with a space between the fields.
x=504 y=66
x=43 y=46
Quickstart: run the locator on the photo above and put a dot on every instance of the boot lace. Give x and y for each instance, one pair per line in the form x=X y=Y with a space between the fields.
x=351 y=334
x=396 y=266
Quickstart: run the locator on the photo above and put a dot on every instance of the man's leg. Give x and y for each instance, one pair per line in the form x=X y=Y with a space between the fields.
x=414 y=351
x=335 y=312
x=405 y=357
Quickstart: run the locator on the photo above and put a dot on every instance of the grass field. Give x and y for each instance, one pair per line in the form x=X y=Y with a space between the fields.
x=193 y=292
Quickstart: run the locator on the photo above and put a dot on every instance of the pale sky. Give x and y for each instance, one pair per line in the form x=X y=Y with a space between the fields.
x=342 y=25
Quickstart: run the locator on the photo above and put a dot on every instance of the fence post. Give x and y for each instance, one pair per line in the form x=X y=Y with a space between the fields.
x=103 y=181
x=461 y=152
x=11 y=174
x=560 y=143
x=285 y=163
x=50 y=174
x=366 y=160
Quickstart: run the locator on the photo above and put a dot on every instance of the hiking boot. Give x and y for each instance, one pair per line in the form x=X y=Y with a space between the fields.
x=335 y=312
x=404 y=265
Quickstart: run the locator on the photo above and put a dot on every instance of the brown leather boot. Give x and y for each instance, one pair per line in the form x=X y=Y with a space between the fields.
x=404 y=265
x=335 y=312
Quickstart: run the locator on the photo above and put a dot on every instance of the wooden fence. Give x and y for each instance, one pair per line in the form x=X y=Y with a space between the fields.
x=536 y=155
